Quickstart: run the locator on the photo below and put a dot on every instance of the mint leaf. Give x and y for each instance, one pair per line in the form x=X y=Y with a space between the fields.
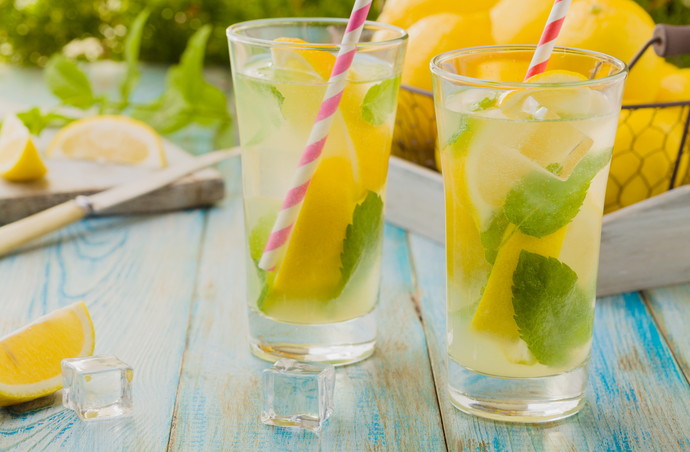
x=540 y=205
x=552 y=313
x=492 y=237
x=188 y=97
x=462 y=136
x=35 y=120
x=131 y=52
x=362 y=238
x=380 y=101
x=67 y=82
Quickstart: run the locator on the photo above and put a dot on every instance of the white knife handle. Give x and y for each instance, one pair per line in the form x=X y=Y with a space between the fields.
x=32 y=227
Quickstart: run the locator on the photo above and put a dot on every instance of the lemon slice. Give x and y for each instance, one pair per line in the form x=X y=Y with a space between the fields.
x=20 y=161
x=30 y=357
x=306 y=61
x=110 y=139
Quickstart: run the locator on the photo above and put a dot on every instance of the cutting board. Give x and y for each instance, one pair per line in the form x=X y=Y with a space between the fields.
x=67 y=179
x=643 y=246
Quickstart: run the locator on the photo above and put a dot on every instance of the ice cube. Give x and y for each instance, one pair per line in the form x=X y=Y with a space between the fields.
x=97 y=387
x=298 y=394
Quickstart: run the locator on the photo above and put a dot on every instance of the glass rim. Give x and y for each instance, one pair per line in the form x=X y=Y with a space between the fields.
x=232 y=32
x=437 y=70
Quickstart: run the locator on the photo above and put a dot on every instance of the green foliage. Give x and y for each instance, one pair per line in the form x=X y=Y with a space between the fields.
x=33 y=30
x=188 y=98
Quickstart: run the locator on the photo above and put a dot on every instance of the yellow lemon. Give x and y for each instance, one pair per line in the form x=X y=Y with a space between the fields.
x=310 y=268
x=20 y=161
x=675 y=85
x=404 y=13
x=519 y=21
x=440 y=33
x=619 y=28
x=644 y=154
x=111 y=139
x=30 y=357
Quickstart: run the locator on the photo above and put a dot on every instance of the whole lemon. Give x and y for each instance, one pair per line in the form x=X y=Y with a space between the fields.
x=519 y=21
x=644 y=155
x=619 y=28
x=404 y=13
x=440 y=33
x=675 y=85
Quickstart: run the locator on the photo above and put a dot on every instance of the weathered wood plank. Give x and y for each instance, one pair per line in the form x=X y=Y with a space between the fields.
x=385 y=403
x=137 y=277
x=637 y=400
x=671 y=309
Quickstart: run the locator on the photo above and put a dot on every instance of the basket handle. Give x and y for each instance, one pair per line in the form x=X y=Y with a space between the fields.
x=670 y=40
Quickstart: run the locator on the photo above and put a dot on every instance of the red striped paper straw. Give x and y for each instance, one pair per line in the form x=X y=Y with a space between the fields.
x=289 y=211
x=548 y=38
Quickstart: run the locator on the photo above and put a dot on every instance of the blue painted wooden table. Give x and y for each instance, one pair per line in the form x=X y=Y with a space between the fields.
x=166 y=295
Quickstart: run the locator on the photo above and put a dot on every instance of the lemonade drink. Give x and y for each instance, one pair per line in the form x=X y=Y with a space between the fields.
x=330 y=270
x=525 y=169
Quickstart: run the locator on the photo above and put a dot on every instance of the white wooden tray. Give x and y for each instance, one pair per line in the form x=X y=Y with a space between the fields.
x=642 y=246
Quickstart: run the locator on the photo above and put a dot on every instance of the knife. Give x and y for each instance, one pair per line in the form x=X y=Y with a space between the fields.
x=32 y=227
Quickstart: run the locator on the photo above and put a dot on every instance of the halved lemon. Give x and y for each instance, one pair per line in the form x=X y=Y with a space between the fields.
x=110 y=139
x=20 y=161
x=30 y=357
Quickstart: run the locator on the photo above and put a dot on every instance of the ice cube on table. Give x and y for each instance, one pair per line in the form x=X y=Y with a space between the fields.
x=298 y=394
x=97 y=387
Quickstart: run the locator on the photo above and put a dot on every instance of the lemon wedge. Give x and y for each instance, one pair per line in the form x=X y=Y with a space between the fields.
x=307 y=61
x=110 y=139
x=30 y=357
x=20 y=161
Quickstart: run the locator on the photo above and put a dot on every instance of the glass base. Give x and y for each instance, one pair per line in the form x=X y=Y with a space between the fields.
x=334 y=343
x=535 y=400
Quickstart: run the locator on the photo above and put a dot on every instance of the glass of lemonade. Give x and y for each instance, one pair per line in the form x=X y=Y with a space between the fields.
x=525 y=166
x=318 y=303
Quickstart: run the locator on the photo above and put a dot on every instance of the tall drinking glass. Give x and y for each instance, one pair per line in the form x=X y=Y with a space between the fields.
x=525 y=166
x=318 y=303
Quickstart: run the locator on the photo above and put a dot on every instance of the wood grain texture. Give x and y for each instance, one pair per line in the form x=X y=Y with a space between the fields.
x=67 y=179
x=385 y=403
x=671 y=309
x=136 y=276
x=637 y=399
x=643 y=246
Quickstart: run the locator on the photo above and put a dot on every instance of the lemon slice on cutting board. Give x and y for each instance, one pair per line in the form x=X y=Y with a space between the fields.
x=30 y=357
x=20 y=161
x=110 y=139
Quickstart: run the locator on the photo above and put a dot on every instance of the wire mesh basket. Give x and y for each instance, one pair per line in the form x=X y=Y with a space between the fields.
x=652 y=147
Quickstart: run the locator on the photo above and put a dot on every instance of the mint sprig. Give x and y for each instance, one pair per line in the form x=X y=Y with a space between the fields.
x=380 y=101
x=267 y=112
x=541 y=204
x=552 y=313
x=362 y=238
x=188 y=98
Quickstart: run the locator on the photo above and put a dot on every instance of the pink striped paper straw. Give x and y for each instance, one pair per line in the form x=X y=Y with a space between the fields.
x=548 y=38
x=289 y=211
